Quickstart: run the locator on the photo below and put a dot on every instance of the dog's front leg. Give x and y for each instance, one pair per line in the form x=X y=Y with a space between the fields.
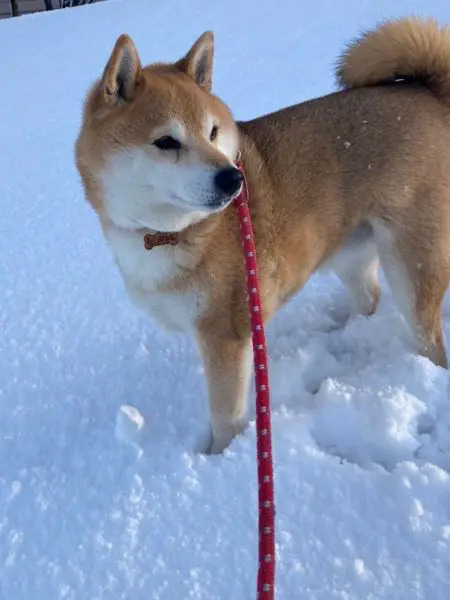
x=228 y=366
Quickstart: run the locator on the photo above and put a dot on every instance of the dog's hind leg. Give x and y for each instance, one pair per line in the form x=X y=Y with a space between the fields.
x=417 y=268
x=429 y=296
x=356 y=265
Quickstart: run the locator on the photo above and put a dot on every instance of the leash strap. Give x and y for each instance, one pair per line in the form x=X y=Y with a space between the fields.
x=266 y=515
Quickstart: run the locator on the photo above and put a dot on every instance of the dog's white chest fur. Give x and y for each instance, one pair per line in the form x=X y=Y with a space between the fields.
x=145 y=271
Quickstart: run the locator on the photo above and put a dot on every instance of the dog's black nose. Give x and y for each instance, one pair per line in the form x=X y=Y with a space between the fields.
x=228 y=180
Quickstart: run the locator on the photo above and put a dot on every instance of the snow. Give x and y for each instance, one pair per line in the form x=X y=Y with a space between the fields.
x=103 y=491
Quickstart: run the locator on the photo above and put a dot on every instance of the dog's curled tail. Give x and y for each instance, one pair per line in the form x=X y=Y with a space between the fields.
x=409 y=49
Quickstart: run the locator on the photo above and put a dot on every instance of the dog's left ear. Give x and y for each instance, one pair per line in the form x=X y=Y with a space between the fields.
x=198 y=61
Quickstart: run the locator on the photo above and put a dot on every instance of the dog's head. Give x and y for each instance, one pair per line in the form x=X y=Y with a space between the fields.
x=157 y=149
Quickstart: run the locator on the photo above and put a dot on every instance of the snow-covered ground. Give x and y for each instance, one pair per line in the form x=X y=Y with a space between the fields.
x=362 y=466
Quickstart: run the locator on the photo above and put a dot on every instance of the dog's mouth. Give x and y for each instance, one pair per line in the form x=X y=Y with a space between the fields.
x=165 y=213
x=223 y=201
x=218 y=205
x=213 y=204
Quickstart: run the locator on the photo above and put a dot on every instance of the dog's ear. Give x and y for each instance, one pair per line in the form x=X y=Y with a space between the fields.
x=122 y=72
x=199 y=60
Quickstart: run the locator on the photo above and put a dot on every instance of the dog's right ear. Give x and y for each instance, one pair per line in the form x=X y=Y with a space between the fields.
x=122 y=72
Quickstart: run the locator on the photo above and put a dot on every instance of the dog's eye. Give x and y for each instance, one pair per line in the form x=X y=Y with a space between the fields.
x=214 y=132
x=167 y=143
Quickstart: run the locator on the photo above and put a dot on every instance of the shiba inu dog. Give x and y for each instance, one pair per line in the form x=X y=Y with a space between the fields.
x=355 y=178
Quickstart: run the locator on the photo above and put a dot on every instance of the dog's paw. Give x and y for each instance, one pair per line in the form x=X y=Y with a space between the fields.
x=204 y=444
x=220 y=439
x=216 y=445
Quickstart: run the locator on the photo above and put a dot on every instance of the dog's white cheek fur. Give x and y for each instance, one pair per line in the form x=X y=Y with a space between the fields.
x=141 y=192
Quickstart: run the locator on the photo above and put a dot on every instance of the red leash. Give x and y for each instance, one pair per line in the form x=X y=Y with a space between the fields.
x=266 y=520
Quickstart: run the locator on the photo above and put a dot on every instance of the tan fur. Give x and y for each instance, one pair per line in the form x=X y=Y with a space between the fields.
x=334 y=181
x=409 y=48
